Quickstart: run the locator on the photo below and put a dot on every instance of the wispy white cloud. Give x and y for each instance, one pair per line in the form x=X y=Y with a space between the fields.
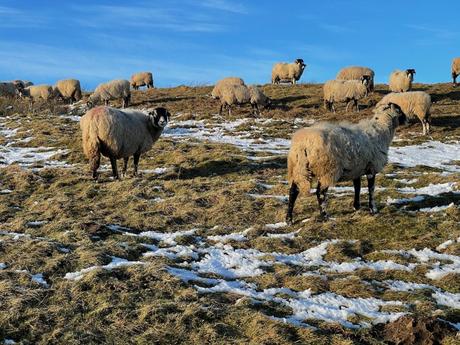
x=224 y=5
x=175 y=19
x=14 y=18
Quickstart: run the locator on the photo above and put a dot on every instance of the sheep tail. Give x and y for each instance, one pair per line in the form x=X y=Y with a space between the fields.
x=298 y=169
x=91 y=142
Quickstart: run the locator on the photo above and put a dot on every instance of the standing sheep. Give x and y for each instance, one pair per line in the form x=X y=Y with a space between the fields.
x=8 y=90
x=242 y=94
x=413 y=104
x=455 y=69
x=119 y=134
x=114 y=89
x=356 y=73
x=401 y=81
x=37 y=92
x=332 y=152
x=142 y=79
x=217 y=90
x=288 y=71
x=68 y=89
x=344 y=91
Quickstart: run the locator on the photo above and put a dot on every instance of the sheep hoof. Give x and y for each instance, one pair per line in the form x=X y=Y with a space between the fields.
x=289 y=220
x=324 y=216
x=356 y=207
x=373 y=211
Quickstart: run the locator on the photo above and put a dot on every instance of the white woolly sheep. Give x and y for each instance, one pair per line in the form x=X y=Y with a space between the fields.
x=142 y=79
x=241 y=94
x=344 y=91
x=37 y=92
x=217 y=90
x=8 y=89
x=332 y=152
x=413 y=104
x=119 y=134
x=288 y=71
x=68 y=89
x=401 y=81
x=356 y=73
x=455 y=69
x=113 y=89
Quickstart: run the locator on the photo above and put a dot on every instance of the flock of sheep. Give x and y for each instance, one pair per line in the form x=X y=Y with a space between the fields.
x=325 y=152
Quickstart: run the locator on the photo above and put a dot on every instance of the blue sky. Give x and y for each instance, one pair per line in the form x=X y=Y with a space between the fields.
x=197 y=42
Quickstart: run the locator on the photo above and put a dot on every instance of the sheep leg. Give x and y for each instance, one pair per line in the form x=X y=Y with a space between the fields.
x=332 y=107
x=348 y=103
x=136 y=156
x=229 y=110
x=106 y=102
x=293 y=193
x=113 y=162
x=94 y=164
x=356 y=105
x=321 y=195
x=371 y=186
x=454 y=79
x=125 y=166
x=357 y=186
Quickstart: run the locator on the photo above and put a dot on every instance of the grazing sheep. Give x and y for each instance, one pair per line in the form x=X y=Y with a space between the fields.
x=242 y=94
x=344 y=91
x=455 y=69
x=258 y=99
x=142 y=79
x=27 y=83
x=356 y=73
x=401 y=81
x=68 y=89
x=119 y=134
x=233 y=94
x=332 y=152
x=113 y=89
x=413 y=104
x=217 y=90
x=8 y=90
x=36 y=92
x=288 y=71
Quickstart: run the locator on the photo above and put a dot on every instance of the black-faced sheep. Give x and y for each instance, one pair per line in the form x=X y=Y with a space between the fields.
x=332 y=152
x=345 y=91
x=401 y=81
x=356 y=73
x=288 y=71
x=415 y=104
x=119 y=134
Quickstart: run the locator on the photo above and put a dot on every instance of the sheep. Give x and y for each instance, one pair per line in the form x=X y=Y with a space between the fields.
x=68 y=89
x=113 y=89
x=401 y=81
x=36 y=92
x=142 y=79
x=345 y=91
x=288 y=71
x=258 y=99
x=233 y=94
x=119 y=134
x=355 y=73
x=413 y=104
x=242 y=94
x=332 y=152
x=455 y=70
x=8 y=89
x=217 y=90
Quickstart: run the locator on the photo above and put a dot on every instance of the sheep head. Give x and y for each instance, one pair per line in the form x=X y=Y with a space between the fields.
x=301 y=63
x=159 y=117
x=410 y=73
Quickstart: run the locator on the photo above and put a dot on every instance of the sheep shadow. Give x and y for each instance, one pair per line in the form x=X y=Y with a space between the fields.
x=288 y=99
x=219 y=168
x=453 y=95
x=451 y=122
x=429 y=201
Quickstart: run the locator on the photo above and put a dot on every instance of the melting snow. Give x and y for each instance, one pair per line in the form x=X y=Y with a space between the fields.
x=116 y=262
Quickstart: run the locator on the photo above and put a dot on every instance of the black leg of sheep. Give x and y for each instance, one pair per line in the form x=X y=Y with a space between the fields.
x=136 y=156
x=357 y=186
x=113 y=162
x=293 y=193
x=125 y=166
